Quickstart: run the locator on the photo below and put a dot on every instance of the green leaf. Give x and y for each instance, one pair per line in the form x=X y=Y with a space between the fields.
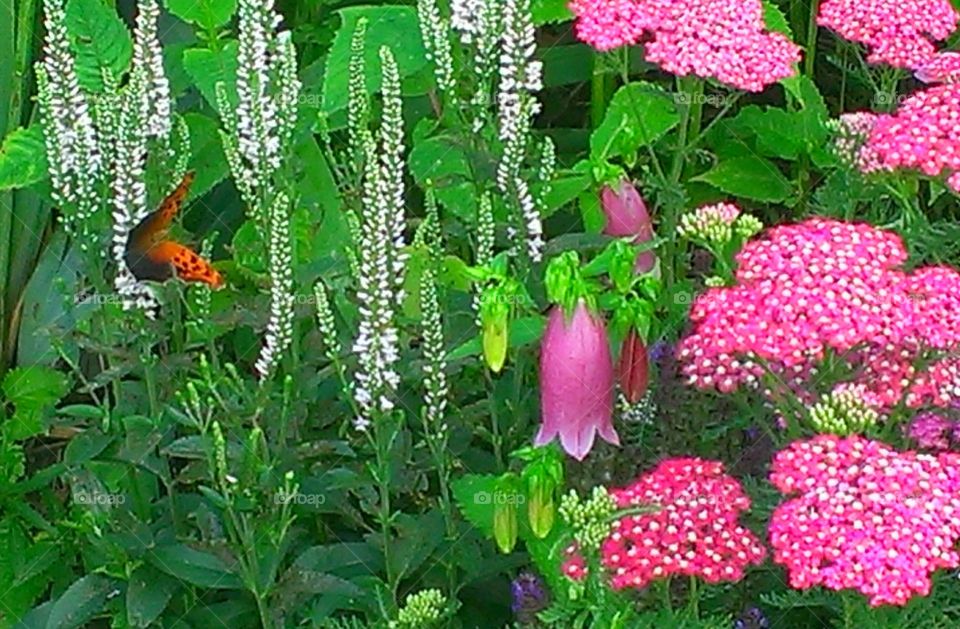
x=394 y=26
x=99 y=40
x=208 y=14
x=778 y=133
x=348 y=559
x=207 y=68
x=473 y=494
x=86 y=446
x=749 y=177
x=194 y=566
x=208 y=159
x=32 y=391
x=550 y=11
x=23 y=158
x=639 y=114
x=80 y=602
x=148 y=593
x=775 y=20
x=417 y=537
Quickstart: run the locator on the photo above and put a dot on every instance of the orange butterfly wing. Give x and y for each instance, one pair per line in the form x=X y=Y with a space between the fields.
x=150 y=257
x=188 y=266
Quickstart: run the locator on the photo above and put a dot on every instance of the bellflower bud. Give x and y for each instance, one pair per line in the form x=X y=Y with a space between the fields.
x=627 y=216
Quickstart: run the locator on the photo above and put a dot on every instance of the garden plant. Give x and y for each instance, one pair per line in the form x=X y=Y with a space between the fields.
x=482 y=314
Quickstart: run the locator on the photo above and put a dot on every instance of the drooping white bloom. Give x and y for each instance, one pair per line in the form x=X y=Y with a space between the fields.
x=435 y=31
x=156 y=105
x=73 y=149
x=259 y=130
x=282 y=298
x=381 y=260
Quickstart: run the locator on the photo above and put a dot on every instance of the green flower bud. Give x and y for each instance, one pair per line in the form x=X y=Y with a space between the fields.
x=495 y=318
x=505 y=525
x=541 y=508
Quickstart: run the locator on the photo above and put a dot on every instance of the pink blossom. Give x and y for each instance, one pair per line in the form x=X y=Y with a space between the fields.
x=627 y=215
x=863 y=516
x=944 y=67
x=896 y=32
x=721 y=39
x=694 y=532
x=826 y=286
x=576 y=382
x=923 y=135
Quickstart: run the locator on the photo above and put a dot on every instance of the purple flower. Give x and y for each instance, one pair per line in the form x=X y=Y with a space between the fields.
x=529 y=596
x=627 y=215
x=932 y=431
x=753 y=618
x=576 y=382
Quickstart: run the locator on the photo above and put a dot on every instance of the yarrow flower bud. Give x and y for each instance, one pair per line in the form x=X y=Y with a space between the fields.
x=851 y=131
x=590 y=519
x=846 y=410
x=713 y=224
x=421 y=610
x=863 y=516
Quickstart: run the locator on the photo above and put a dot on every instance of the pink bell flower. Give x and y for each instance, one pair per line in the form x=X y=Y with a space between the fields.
x=627 y=216
x=576 y=382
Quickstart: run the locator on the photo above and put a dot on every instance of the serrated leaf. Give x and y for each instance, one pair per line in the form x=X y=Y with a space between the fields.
x=208 y=67
x=99 y=40
x=473 y=494
x=396 y=27
x=639 y=114
x=80 y=602
x=775 y=20
x=208 y=14
x=23 y=158
x=194 y=566
x=748 y=177
x=148 y=593
x=32 y=391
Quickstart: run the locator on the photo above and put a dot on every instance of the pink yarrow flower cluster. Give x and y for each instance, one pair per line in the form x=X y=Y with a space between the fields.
x=694 y=532
x=896 y=32
x=923 y=135
x=863 y=516
x=933 y=431
x=825 y=286
x=722 y=39
x=943 y=67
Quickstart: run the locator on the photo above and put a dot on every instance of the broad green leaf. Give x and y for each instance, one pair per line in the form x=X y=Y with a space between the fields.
x=348 y=559
x=85 y=446
x=207 y=68
x=417 y=537
x=23 y=158
x=208 y=14
x=100 y=41
x=194 y=566
x=394 y=26
x=550 y=11
x=207 y=160
x=749 y=177
x=80 y=602
x=564 y=65
x=32 y=391
x=639 y=114
x=777 y=132
x=438 y=160
x=148 y=593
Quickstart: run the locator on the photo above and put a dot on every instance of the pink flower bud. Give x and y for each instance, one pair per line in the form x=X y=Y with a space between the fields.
x=633 y=369
x=627 y=215
x=576 y=382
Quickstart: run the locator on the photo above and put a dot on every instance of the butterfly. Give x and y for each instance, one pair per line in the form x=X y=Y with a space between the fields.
x=150 y=256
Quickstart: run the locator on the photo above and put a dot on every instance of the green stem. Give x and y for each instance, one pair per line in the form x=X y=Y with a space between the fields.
x=811 y=47
x=694 y=602
x=599 y=91
x=664 y=587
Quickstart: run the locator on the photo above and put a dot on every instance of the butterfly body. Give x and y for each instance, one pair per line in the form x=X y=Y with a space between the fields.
x=151 y=256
